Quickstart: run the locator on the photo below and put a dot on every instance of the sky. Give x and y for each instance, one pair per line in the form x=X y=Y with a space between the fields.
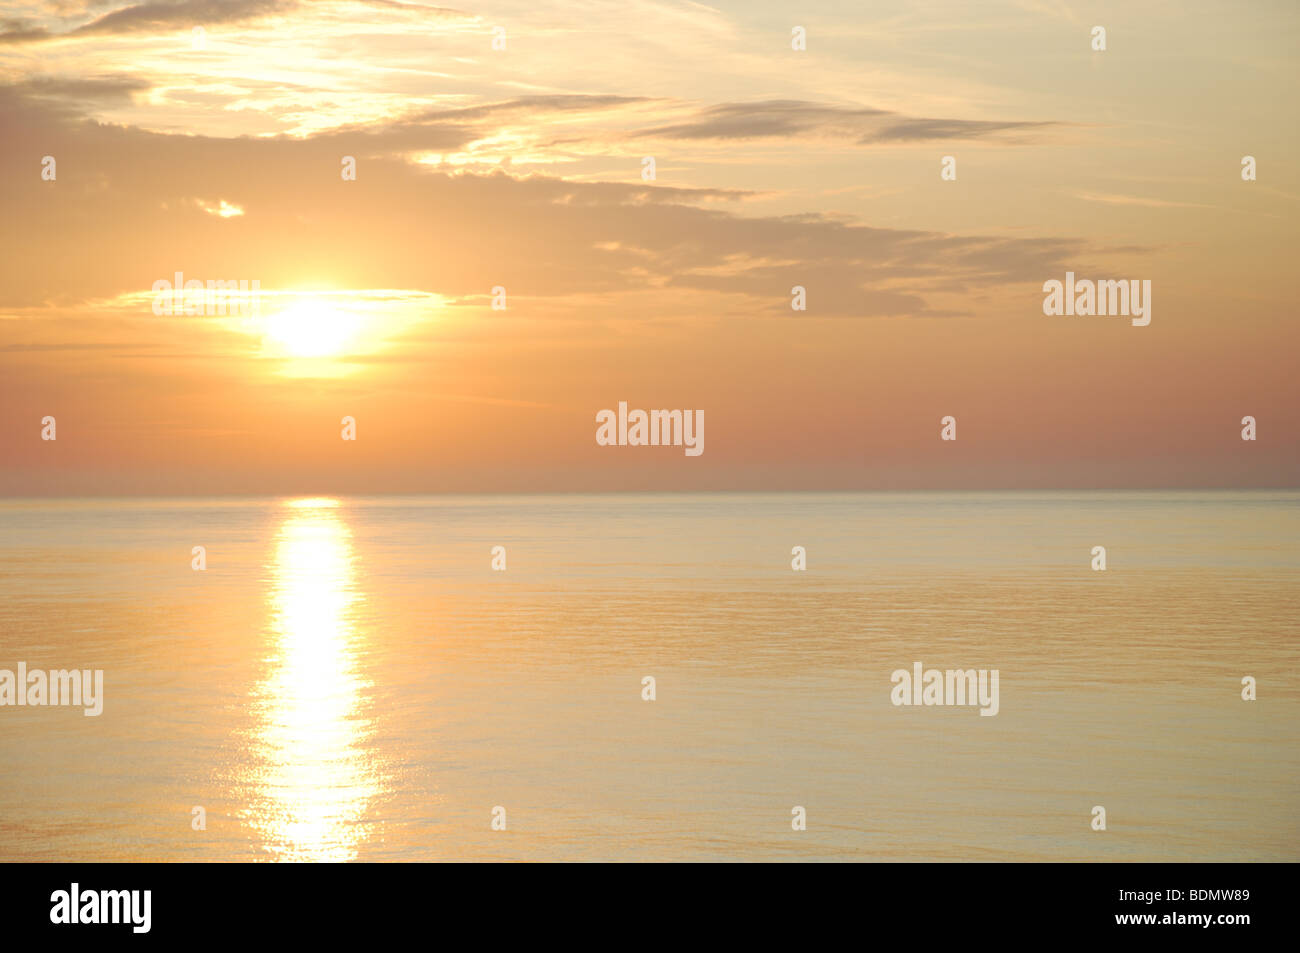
x=503 y=146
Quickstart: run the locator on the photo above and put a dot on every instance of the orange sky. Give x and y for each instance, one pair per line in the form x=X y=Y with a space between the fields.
x=522 y=168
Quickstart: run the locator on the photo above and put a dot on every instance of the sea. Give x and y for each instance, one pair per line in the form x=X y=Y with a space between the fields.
x=650 y=677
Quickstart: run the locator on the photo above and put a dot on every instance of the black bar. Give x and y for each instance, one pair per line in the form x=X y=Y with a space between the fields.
x=445 y=903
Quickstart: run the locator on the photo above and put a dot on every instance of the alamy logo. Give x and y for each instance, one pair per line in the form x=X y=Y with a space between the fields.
x=193 y=297
x=103 y=906
x=56 y=687
x=655 y=428
x=1102 y=297
x=953 y=687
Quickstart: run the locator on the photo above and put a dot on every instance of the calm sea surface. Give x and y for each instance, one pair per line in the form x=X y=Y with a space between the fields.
x=350 y=679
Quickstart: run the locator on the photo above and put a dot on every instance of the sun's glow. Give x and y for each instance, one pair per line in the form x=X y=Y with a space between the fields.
x=312 y=328
x=313 y=503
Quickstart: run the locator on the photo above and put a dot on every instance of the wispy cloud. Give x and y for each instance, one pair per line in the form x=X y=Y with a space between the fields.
x=863 y=125
x=1111 y=198
x=165 y=15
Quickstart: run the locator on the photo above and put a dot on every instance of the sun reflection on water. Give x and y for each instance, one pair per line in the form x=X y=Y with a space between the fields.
x=316 y=774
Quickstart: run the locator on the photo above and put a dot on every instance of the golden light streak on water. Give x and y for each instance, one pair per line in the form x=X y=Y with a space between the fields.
x=315 y=778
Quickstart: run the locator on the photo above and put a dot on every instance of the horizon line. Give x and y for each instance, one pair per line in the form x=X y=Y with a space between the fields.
x=307 y=494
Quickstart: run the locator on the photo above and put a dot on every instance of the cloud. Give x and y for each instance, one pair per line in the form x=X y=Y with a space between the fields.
x=441 y=130
x=1111 y=198
x=92 y=89
x=167 y=15
x=785 y=118
x=221 y=208
x=22 y=31
x=123 y=203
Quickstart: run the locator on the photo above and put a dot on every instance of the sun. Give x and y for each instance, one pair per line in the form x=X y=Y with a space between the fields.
x=310 y=328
